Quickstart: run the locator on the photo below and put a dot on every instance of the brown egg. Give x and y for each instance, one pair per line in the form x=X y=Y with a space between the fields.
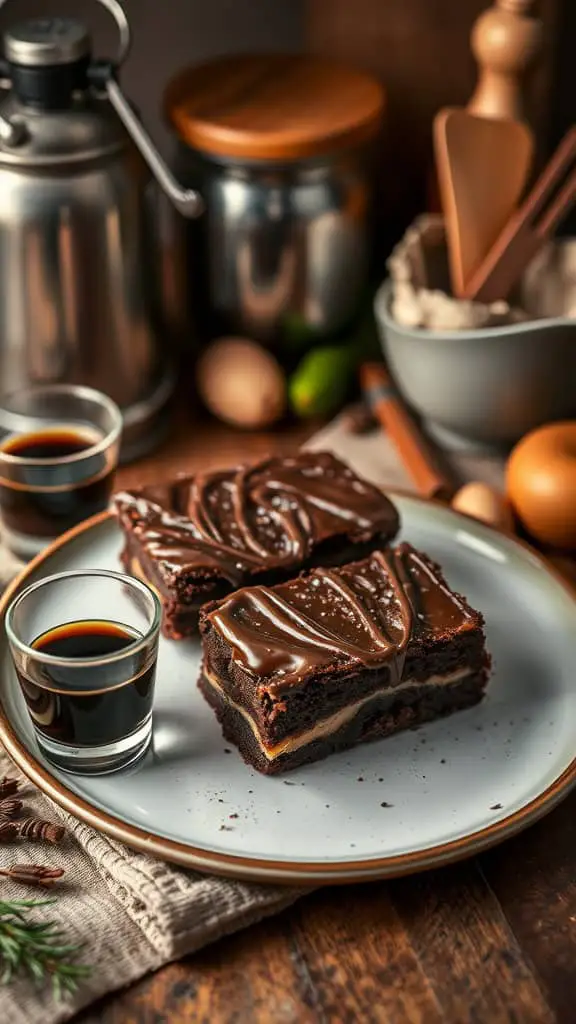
x=482 y=502
x=541 y=483
x=241 y=383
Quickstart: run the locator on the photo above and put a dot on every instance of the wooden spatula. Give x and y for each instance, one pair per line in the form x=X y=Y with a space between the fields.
x=529 y=227
x=482 y=166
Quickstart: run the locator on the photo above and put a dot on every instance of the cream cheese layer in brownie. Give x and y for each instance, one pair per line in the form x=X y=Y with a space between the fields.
x=339 y=656
x=199 y=537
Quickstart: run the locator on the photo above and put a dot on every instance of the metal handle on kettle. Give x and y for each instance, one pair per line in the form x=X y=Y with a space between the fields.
x=102 y=75
x=187 y=201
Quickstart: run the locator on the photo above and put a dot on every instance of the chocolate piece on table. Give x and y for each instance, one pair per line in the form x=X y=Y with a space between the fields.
x=339 y=656
x=200 y=537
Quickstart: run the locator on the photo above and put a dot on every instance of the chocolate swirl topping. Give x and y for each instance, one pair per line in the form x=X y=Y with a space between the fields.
x=365 y=612
x=271 y=515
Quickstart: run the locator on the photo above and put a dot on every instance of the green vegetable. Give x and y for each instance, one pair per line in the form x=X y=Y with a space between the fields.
x=324 y=377
x=321 y=381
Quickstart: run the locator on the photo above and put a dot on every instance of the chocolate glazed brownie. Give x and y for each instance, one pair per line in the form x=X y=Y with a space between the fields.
x=198 y=538
x=340 y=656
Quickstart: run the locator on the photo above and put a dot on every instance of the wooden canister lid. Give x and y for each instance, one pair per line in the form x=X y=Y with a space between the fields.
x=273 y=107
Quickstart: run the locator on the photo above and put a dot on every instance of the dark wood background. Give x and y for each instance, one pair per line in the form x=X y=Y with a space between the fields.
x=420 y=50
x=418 y=47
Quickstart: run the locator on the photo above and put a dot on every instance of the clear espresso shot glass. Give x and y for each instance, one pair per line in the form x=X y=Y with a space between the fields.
x=84 y=646
x=59 y=446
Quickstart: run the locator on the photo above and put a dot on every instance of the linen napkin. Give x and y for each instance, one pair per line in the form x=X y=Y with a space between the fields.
x=131 y=913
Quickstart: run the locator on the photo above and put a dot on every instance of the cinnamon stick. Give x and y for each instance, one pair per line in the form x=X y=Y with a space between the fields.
x=416 y=453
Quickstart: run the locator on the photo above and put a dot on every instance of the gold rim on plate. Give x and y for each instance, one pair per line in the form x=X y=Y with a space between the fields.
x=254 y=869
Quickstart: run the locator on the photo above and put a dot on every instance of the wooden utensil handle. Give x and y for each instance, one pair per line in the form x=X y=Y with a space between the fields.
x=535 y=220
x=499 y=274
x=552 y=175
x=416 y=454
x=558 y=209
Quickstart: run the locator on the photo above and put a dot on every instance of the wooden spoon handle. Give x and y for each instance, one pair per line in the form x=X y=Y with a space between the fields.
x=558 y=209
x=417 y=456
x=529 y=226
x=544 y=190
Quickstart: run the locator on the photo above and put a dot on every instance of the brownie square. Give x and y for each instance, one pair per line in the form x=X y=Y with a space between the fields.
x=197 y=538
x=339 y=656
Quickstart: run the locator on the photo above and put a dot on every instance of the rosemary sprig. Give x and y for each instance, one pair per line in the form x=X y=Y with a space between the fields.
x=37 y=949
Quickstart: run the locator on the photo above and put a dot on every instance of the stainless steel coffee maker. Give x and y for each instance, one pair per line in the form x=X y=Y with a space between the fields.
x=80 y=289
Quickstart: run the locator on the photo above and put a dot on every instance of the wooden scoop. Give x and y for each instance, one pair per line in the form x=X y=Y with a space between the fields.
x=482 y=165
x=529 y=227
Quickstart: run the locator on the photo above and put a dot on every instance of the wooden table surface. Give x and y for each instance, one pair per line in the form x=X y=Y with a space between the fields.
x=487 y=941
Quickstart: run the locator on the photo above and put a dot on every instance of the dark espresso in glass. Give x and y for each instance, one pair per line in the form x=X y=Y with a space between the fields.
x=63 y=710
x=55 y=492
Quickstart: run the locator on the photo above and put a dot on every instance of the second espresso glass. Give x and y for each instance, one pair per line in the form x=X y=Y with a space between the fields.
x=84 y=646
x=58 y=453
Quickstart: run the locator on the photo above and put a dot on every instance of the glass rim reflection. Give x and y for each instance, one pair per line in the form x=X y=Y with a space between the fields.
x=106 y=659
x=23 y=423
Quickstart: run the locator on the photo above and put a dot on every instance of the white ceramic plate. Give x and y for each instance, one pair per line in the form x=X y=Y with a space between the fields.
x=415 y=800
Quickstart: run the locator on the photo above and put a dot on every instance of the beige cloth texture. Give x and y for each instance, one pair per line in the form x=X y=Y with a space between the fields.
x=374 y=456
x=132 y=913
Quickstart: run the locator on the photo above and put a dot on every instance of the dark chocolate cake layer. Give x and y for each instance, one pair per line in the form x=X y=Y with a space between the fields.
x=385 y=715
x=197 y=538
x=338 y=656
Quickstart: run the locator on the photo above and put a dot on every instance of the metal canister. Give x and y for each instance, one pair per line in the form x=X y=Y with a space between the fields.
x=279 y=149
x=81 y=300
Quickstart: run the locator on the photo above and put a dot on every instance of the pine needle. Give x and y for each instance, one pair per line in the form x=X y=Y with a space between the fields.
x=37 y=949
